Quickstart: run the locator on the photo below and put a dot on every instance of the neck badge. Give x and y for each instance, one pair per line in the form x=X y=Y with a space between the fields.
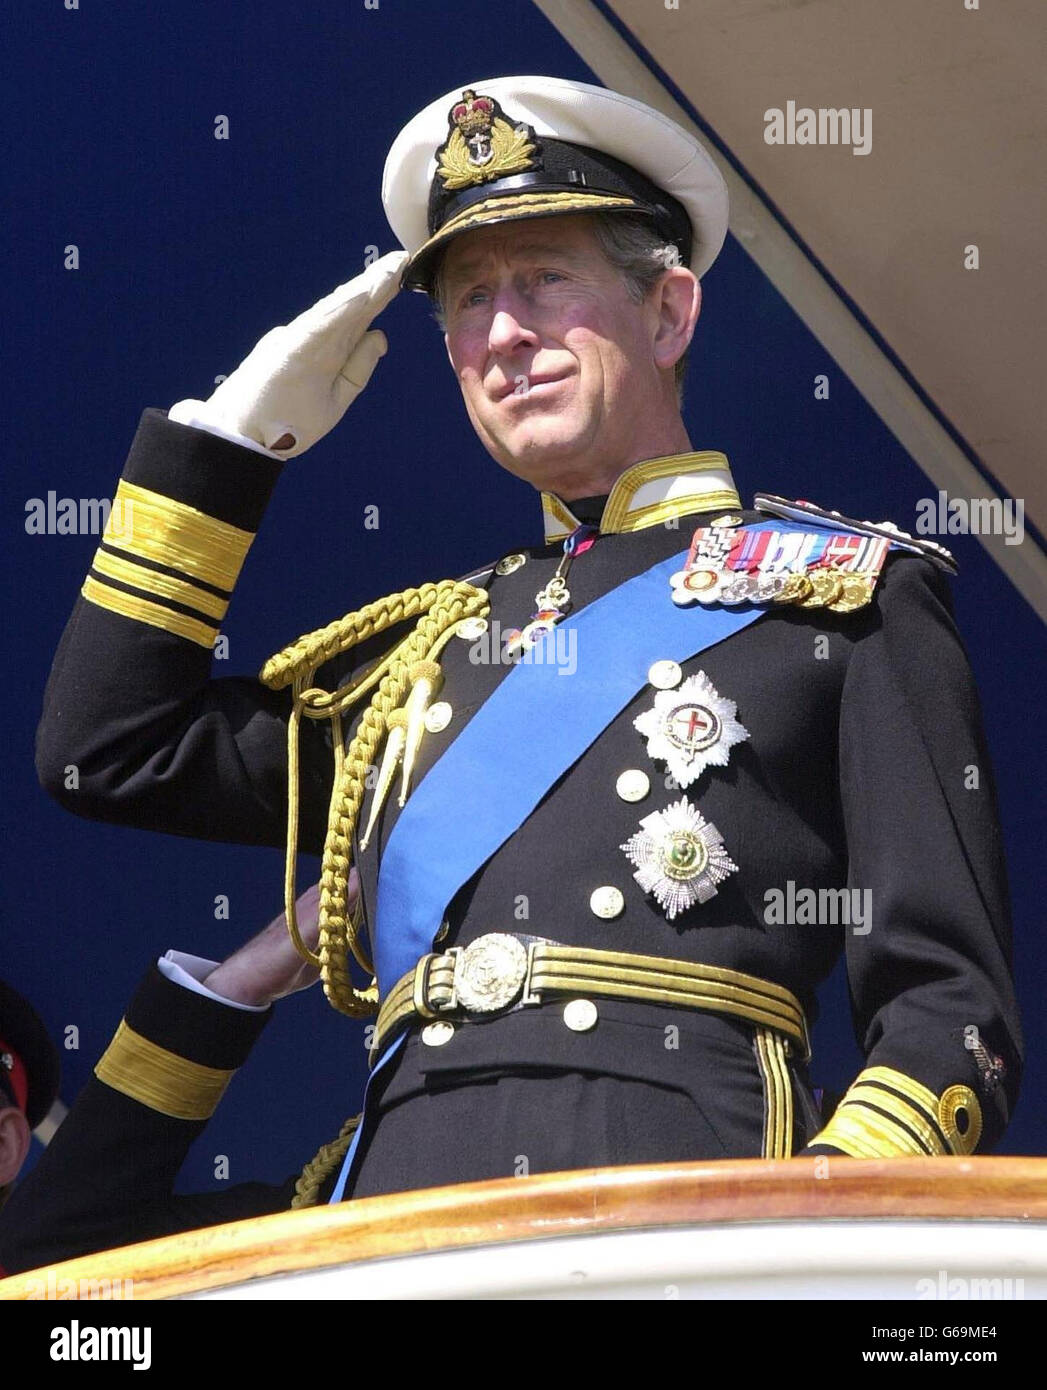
x=691 y=728
x=553 y=602
x=679 y=857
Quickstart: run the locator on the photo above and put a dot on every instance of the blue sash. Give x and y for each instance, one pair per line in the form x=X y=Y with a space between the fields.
x=537 y=722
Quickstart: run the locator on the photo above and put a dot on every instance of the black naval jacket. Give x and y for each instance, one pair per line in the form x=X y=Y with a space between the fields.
x=864 y=730
x=107 y=1177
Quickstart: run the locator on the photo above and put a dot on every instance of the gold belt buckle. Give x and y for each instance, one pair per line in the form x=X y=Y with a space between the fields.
x=490 y=972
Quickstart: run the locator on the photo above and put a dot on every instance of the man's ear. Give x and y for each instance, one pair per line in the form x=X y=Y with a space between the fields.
x=14 y=1143
x=447 y=347
x=678 y=301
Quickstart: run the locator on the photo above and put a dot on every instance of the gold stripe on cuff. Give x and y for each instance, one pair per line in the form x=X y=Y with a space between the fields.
x=851 y=1137
x=162 y=585
x=172 y=533
x=144 y=611
x=916 y=1121
x=901 y=1110
x=915 y=1090
x=863 y=1133
x=160 y=1079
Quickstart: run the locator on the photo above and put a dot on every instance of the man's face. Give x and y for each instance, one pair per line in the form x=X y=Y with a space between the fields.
x=14 y=1141
x=557 y=364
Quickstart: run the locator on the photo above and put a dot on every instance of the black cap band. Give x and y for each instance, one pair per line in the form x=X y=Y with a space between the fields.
x=566 y=167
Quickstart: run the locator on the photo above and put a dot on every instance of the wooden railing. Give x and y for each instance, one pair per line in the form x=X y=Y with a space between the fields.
x=583 y=1202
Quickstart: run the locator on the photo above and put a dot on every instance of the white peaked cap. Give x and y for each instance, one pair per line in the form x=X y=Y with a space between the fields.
x=508 y=148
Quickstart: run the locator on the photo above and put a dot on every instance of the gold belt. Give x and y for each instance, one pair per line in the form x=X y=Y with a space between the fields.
x=499 y=971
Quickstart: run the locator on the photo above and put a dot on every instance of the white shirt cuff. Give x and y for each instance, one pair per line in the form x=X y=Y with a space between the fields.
x=190 y=972
x=194 y=413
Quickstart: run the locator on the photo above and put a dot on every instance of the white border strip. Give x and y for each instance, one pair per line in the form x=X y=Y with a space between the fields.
x=810 y=295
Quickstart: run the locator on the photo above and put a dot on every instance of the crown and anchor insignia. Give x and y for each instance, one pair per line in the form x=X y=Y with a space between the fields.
x=483 y=144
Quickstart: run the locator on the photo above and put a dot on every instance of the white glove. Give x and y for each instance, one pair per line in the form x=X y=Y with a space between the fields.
x=299 y=380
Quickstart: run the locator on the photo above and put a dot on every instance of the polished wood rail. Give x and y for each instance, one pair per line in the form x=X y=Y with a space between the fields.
x=586 y=1201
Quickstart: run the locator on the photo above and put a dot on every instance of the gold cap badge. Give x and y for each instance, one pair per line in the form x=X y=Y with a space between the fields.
x=482 y=144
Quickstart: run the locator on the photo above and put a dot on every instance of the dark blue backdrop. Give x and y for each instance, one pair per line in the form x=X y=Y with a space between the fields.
x=190 y=249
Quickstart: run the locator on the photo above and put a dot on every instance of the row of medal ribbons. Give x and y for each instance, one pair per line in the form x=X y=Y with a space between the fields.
x=812 y=569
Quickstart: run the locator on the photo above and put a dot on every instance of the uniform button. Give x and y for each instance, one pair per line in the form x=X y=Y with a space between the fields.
x=607 y=902
x=633 y=784
x=665 y=675
x=729 y=520
x=438 y=716
x=470 y=628
x=510 y=563
x=436 y=1034
x=580 y=1015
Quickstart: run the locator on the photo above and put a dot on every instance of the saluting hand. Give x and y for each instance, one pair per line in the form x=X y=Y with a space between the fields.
x=298 y=381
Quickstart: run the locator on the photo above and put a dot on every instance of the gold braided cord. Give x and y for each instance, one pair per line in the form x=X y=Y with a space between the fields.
x=440 y=607
x=318 y=1169
x=337 y=743
x=449 y=605
x=316 y=648
x=291 y=857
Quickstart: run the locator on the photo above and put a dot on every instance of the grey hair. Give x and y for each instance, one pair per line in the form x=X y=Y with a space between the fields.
x=641 y=255
x=630 y=243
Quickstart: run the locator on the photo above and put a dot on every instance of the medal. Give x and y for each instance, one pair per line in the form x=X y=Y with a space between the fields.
x=700 y=579
x=694 y=586
x=770 y=587
x=856 y=591
x=542 y=623
x=740 y=588
x=691 y=728
x=826 y=587
x=796 y=588
x=679 y=857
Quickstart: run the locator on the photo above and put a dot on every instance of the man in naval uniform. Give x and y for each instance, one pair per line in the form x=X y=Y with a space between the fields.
x=617 y=766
